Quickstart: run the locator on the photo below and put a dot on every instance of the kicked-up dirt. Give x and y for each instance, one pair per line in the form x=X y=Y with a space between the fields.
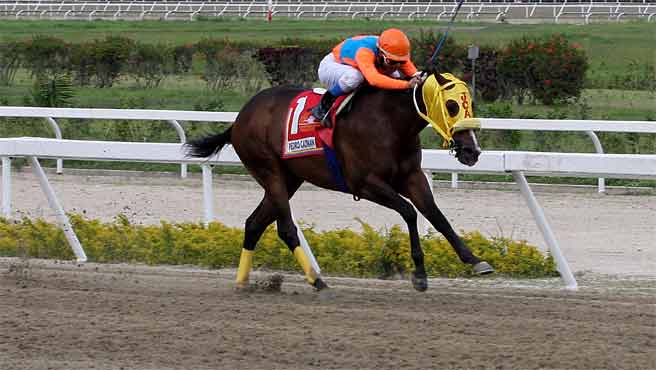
x=59 y=315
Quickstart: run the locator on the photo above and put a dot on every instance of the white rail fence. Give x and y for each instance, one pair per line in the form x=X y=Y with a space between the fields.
x=519 y=164
x=438 y=10
x=589 y=127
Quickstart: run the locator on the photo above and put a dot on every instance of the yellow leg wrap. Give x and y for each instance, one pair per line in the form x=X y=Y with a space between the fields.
x=245 y=265
x=304 y=261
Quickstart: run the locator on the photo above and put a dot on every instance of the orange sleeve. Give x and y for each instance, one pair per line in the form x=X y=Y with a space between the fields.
x=365 y=59
x=408 y=68
x=336 y=51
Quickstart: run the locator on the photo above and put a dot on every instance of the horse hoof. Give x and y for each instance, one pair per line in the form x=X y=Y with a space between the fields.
x=483 y=268
x=243 y=287
x=319 y=285
x=419 y=283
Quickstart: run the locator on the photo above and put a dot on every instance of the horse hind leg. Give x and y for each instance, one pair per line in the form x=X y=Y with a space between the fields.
x=275 y=206
x=256 y=223
x=287 y=231
x=263 y=215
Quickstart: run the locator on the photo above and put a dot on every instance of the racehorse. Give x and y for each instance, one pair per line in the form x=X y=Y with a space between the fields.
x=378 y=148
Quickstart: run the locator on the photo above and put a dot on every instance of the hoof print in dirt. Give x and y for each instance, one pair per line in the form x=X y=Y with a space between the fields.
x=271 y=284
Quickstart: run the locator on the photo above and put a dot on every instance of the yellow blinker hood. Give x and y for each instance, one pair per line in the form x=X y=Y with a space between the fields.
x=435 y=97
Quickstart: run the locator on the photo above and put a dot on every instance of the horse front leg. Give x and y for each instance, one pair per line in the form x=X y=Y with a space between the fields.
x=416 y=188
x=383 y=194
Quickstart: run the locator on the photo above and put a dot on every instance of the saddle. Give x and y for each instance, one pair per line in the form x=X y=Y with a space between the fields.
x=304 y=135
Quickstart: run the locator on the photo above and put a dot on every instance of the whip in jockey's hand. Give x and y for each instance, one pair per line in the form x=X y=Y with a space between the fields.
x=383 y=61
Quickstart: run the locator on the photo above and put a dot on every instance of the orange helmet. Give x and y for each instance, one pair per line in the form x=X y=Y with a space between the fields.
x=394 y=44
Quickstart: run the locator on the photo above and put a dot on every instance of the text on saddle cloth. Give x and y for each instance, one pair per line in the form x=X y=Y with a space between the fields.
x=304 y=135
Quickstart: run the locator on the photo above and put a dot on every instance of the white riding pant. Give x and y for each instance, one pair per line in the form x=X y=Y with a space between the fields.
x=333 y=73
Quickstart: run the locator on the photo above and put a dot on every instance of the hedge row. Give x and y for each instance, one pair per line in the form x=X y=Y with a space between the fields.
x=549 y=70
x=341 y=252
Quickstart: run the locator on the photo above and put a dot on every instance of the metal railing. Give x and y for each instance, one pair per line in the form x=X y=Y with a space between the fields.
x=438 y=10
x=589 y=127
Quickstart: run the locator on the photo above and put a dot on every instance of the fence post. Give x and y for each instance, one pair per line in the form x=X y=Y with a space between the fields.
x=549 y=237
x=601 y=182
x=183 y=139
x=424 y=224
x=208 y=194
x=58 y=135
x=61 y=216
x=6 y=187
x=305 y=245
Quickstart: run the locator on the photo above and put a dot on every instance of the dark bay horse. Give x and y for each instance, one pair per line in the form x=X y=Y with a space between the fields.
x=377 y=144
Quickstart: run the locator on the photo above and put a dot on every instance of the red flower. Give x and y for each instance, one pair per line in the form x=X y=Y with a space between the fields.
x=547 y=82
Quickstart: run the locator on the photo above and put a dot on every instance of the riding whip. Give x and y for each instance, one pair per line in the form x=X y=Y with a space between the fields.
x=446 y=32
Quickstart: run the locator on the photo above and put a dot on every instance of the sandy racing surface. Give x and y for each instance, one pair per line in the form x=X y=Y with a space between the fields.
x=60 y=316
x=64 y=316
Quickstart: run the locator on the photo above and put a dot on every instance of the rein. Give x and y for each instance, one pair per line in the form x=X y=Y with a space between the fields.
x=447 y=135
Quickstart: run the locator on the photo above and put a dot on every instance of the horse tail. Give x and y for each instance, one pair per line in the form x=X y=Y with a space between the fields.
x=209 y=145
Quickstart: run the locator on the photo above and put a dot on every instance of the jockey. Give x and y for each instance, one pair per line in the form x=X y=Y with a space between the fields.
x=382 y=60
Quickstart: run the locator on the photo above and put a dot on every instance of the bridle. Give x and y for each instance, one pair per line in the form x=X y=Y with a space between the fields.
x=434 y=96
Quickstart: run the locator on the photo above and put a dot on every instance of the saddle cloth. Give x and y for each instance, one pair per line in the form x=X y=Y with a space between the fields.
x=304 y=135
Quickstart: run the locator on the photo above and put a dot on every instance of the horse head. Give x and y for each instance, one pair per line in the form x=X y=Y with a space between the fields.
x=449 y=111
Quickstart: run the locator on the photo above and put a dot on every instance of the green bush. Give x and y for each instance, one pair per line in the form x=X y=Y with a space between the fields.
x=46 y=56
x=53 y=91
x=11 y=53
x=291 y=65
x=183 y=58
x=224 y=63
x=341 y=252
x=83 y=63
x=110 y=58
x=451 y=58
x=487 y=80
x=149 y=64
x=551 y=69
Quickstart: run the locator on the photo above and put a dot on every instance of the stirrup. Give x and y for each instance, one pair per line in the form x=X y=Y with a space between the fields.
x=326 y=121
x=317 y=112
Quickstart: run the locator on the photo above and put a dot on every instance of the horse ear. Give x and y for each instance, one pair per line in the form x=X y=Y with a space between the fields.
x=440 y=79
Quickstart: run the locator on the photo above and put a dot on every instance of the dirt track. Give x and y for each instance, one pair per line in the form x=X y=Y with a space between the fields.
x=61 y=316
x=68 y=317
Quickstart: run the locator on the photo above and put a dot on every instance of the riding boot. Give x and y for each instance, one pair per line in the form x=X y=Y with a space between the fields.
x=321 y=111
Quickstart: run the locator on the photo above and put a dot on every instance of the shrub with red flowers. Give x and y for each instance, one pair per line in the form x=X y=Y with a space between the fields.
x=551 y=69
x=487 y=82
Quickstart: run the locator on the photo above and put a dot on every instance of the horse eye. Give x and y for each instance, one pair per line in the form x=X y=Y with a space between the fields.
x=452 y=107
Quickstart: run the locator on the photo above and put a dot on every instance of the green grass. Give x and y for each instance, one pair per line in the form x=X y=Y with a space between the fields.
x=600 y=104
x=611 y=47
